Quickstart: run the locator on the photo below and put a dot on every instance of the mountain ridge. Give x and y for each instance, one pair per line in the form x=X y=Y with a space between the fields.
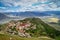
x=35 y=27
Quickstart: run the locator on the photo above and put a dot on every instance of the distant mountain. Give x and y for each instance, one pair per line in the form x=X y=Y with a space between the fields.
x=2 y=16
x=33 y=14
x=27 y=14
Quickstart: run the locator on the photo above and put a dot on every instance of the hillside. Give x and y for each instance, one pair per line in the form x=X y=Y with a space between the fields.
x=2 y=16
x=29 y=27
x=9 y=37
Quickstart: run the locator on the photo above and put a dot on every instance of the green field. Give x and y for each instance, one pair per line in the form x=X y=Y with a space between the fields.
x=9 y=37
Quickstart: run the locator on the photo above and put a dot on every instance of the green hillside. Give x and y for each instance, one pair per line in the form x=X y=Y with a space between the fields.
x=29 y=27
x=9 y=37
x=45 y=28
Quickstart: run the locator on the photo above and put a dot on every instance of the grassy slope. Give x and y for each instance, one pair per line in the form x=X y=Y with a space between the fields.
x=48 y=29
x=9 y=37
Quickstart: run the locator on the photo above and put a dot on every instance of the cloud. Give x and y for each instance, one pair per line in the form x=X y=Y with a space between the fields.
x=29 y=5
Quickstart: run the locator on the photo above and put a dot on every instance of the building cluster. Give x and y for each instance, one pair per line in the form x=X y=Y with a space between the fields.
x=20 y=27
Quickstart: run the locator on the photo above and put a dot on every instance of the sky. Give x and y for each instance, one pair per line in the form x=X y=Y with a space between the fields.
x=29 y=5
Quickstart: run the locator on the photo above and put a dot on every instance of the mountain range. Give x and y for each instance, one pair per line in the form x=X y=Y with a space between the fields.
x=33 y=13
x=22 y=15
